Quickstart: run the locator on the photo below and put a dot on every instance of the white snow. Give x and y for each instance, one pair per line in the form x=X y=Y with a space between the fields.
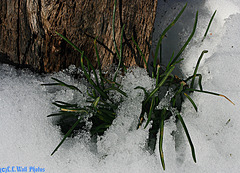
x=28 y=137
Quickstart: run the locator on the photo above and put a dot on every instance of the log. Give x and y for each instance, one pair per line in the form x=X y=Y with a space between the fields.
x=28 y=38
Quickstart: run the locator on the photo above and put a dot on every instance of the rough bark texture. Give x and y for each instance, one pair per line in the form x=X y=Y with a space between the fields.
x=27 y=31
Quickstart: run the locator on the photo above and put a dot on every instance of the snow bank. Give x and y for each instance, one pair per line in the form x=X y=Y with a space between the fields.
x=28 y=137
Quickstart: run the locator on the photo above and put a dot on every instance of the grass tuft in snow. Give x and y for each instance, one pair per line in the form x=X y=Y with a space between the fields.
x=102 y=108
x=165 y=80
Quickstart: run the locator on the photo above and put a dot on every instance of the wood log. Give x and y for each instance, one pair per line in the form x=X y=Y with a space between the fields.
x=27 y=31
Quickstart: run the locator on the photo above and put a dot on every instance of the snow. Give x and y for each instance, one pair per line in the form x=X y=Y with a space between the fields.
x=28 y=137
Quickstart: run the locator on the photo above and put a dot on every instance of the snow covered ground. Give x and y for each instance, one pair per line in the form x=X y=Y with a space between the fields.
x=28 y=137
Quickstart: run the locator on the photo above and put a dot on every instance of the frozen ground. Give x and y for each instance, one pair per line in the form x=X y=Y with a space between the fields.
x=28 y=137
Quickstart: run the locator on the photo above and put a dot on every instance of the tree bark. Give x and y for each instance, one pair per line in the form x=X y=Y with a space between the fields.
x=27 y=31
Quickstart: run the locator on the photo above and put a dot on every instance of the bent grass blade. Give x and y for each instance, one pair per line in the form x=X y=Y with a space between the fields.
x=199 y=80
x=191 y=100
x=212 y=93
x=188 y=136
x=196 y=68
x=144 y=90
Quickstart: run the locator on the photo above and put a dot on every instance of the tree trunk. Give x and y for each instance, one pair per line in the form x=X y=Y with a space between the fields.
x=27 y=31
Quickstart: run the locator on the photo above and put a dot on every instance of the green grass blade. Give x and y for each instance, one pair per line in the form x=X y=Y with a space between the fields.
x=180 y=89
x=94 y=93
x=200 y=81
x=60 y=105
x=153 y=74
x=77 y=110
x=188 y=137
x=191 y=100
x=105 y=117
x=178 y=61
x=163 y=35
x=159 y=85
x=110 y=113
x=64 y=84
x=212 y=93
x=169 y=63
x=91 y=68
x=82 y=52
x=60 y=82
x=99 y=63
x=96 y=102
x=86 y=74
x=144 y=90
x=116 y=89
x=176 y=94
x=150 y=111
x=111 y=82
x=98 y=57
x=188 y=40
x=160 y=54
x=113 y=28
x=104 y=95
x=161 y=137
x=158 y=73
x=90 y=95
x=139 y=50
x=50 y=84
x=67 y=134
x=113 y=106
x=66 y=104
x=69 y=42
x=209 y=24
x=120 y=57
x=196 y=68
x=62 y=114
x=63 y=104
x=121 y=44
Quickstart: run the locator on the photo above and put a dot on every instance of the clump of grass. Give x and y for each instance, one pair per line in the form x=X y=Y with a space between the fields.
x=181 y=89
x=103 y=108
